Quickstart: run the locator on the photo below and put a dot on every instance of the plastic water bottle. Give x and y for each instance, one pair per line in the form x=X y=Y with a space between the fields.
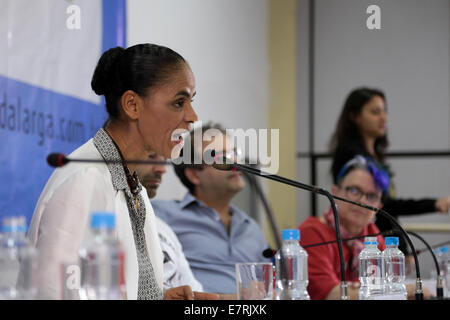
x=18 y=261
x=371 y=270
x=443 y=257
x=102 y=261
x=394 y=263
x=291 y=263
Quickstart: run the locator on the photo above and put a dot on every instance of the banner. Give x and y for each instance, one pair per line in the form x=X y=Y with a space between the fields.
x=49 y=50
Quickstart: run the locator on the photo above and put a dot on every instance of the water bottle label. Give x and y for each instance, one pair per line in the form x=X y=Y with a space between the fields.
x=373 y=272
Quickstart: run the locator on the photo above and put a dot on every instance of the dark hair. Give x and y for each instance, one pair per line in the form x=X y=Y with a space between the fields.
x=347 y=132
x=136 y=68
x=379 y=174
x=189 y=144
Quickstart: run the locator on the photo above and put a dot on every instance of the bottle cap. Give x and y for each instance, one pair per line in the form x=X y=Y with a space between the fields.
x=14 y=224
x=290 y=234
x=391 y=241
x=370 y=240
x=105 y=220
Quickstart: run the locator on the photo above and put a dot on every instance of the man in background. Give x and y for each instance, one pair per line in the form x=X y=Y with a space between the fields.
x=215 y=234
x=176 y=268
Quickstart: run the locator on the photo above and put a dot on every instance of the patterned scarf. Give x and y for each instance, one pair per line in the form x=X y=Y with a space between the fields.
x=356 y=245
x=148 y=288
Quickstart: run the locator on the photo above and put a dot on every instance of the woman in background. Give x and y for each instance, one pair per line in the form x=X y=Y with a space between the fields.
x=358 y=180
x=361 y=129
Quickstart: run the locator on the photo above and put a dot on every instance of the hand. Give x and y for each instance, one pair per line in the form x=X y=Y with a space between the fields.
x=443 y=205
x=186 y=293
x=227 y=296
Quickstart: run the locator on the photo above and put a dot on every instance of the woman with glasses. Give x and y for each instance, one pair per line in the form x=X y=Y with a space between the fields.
x=361 y=181
x=361 y=129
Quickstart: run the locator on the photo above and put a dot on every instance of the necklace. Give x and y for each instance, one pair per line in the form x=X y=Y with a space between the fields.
x=132 y=179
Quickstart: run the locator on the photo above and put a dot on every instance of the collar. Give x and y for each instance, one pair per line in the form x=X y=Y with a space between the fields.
x=190 y=199
x=109 y=151
x=187 y=200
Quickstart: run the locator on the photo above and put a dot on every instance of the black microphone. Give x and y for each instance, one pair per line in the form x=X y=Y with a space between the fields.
x=439 y=280
x=269 y=253
x=59 y=159
x=221 y=162
x=254 y=184
x=227 y=164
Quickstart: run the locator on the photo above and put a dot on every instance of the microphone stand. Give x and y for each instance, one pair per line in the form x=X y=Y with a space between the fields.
x=59 y=160
x=344 y=287
x=439 y=281
x=257 y=187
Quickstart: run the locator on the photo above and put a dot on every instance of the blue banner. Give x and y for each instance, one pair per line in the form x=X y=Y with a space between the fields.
x=36 y=120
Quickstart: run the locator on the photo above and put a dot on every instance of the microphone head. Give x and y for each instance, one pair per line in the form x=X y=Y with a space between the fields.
x=217 y=160
x=268 y=253
x=57 y=159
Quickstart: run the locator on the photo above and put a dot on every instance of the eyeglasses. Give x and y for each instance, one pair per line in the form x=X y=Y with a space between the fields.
x=354 y=193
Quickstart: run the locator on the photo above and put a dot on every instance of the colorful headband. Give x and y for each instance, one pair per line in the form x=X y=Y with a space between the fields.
x=380 y=175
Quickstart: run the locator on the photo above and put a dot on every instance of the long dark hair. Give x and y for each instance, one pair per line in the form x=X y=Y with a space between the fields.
x=347 y=141
x=346 y=129
x=136 y=68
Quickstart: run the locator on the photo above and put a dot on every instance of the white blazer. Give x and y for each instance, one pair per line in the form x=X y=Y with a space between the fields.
x=61 y=222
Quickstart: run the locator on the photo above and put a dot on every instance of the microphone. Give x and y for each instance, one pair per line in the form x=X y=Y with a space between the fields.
x=59 y=159
x=439 y=280
x=254 y=183
x=222 y=162
x=268 y=253
x=230 y=165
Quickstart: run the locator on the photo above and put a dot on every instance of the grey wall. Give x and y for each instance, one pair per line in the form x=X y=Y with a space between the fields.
x=408 y=58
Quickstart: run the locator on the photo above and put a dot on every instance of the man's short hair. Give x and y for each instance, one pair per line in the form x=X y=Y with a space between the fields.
x=189 y=144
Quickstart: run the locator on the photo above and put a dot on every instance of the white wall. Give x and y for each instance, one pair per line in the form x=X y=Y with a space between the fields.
x=225 y=43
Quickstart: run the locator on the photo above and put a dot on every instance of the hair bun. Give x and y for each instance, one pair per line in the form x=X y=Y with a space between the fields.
x=105 y=78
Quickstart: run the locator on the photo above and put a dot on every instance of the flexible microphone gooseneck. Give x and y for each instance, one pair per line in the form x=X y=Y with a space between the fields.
x=439 y=280
x=257 y=187
x=59 y=159
x=226 y=167
x=224 y=164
